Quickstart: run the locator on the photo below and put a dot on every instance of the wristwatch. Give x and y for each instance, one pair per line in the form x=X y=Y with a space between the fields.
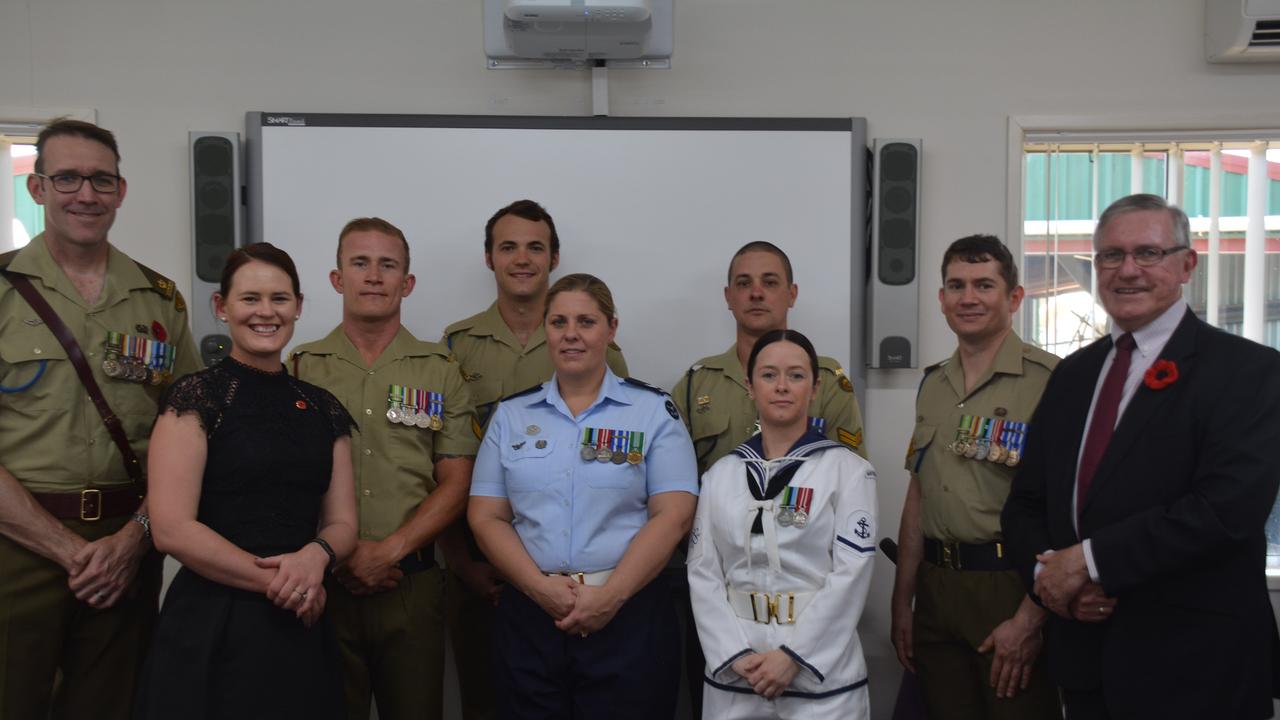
x=145 y=522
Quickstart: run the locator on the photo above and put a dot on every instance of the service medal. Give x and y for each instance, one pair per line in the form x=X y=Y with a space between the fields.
x=436 y=423
x=786 y=516
x=604 y=455
x=422 y=421
x=996 y=454
x=617 y=457
x=981 y=453
x=111 y=368
x=409 y=418
x=1012 y=460
x=153 y=377
x=587 y=453
x=393 y=414
x=802 y=518
x=634 y=457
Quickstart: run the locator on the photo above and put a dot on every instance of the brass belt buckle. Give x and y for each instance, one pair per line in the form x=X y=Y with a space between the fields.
x=951 y=555
x=90 y=504
x=772 y=608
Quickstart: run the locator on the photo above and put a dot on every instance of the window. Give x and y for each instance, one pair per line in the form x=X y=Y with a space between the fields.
x=1229 y=187
x=28 y=219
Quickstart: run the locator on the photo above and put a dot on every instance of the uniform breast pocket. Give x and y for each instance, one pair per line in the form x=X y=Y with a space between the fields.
x=529 y=464
x=30 y=358
x=611 y=476
x=707 y=429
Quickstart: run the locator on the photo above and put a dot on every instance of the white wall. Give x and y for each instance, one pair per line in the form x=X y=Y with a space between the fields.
x=950 y=72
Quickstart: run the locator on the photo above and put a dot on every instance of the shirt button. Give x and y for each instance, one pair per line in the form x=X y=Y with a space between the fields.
x=367 y=451
x=370 y=372
x=92 y=441
x=37 y=350
x=564 y=533
x=564 y=564
x=960 y=404
x=90 y=353
x=367 y=493
x=368 y=411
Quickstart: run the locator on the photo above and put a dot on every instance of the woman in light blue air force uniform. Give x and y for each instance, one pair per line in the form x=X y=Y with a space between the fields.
x=582 y=488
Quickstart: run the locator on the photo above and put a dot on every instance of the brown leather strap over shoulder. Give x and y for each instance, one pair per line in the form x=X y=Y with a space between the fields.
x=68 y=341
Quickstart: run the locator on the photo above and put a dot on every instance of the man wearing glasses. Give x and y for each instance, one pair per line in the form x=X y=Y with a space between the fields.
x=1138 y=515
x=78 y=579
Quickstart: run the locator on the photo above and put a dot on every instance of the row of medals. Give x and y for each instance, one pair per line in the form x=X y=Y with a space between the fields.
x=985 y=450
x=124 y=368
x=788 y=516
x=604 y=455
x=413 y=417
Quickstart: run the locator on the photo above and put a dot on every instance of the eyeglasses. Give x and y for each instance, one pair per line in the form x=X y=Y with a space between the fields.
x=71 y=182
x=1145 y=256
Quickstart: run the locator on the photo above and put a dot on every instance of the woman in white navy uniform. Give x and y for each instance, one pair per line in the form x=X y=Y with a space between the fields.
x=780 y=556
x=581 y=490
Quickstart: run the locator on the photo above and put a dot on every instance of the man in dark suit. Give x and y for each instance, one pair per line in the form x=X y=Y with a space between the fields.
x=1151 y=466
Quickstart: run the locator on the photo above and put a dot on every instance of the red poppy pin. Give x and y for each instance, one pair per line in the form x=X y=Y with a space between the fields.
x=301 y=404
x=1161 y=375
x=158 y=331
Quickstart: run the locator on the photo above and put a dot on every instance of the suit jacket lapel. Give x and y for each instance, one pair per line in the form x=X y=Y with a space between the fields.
x=1146 y=403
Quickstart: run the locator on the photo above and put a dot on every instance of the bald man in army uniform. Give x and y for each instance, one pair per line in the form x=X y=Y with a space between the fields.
x=412 y=460
x=712 y=395
x=973 y=636
x=502 y=350
x=79 y=582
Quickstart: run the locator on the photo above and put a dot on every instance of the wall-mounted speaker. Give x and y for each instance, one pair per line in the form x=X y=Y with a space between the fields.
x=217 y=228
x=893 y=293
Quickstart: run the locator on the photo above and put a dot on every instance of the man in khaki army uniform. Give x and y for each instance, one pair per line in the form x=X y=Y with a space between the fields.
x=412 y=460
x=974 y=635
x=712 y=396
x=79 y=581
x=502 y=350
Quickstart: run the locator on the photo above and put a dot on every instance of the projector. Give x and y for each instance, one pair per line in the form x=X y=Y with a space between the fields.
x=578 y=11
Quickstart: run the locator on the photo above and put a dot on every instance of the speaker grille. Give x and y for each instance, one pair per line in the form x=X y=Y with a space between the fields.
x=213 y=160
x=897 y=214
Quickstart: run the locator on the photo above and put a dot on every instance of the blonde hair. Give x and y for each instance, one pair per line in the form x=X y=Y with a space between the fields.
x=586 y=283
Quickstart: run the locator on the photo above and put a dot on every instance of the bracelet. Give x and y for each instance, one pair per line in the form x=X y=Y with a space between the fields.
x=328 y=549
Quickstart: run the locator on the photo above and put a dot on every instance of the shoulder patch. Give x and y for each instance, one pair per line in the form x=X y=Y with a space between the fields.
x=522 y=393
x=672 y=411
x=178 y=303
x=643 y=384
x=853 y=440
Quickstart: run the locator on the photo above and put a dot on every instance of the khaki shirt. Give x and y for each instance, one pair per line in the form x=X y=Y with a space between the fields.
x=52 y=438
x=961 y=498
x=495 y=365
x=722 y=417
x=393 y=463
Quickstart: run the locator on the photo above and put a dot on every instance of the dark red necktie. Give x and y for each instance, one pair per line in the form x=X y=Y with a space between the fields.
x=1103 y=424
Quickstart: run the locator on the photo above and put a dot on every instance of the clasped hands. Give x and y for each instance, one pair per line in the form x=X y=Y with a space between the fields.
x=577 y=609
x=1064 y=587
x=298 y=583
x=768 y=673
x=102 y=570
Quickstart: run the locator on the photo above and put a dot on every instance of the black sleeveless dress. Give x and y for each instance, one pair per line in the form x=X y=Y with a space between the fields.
x=220 y=652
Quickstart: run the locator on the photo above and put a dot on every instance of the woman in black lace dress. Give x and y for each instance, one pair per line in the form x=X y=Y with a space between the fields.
x=251 y=490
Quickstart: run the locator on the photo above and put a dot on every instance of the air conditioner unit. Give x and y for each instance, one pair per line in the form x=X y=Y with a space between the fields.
x=1239 y=31
x=532 y=33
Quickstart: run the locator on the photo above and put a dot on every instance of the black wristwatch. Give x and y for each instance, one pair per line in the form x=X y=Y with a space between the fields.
x=145 y=522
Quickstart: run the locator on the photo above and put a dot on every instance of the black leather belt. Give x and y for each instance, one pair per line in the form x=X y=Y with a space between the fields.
x=424 y=558
x=92 y=504
x=987 y=557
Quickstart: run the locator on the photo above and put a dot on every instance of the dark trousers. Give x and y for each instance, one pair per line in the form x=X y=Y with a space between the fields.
x=628 y=669
x=45 y=632
x=1085 y=705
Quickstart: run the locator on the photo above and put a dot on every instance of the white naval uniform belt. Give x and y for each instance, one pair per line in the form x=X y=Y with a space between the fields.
x=594 y=579
x=764 y=608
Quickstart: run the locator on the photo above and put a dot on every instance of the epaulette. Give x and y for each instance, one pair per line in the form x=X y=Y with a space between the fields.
x=1040 y=357
x=7 y=258
x=522 y=393
x=164 y=286
x=643 y=384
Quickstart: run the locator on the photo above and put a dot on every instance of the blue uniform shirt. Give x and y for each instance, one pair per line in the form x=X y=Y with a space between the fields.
x=575 y=515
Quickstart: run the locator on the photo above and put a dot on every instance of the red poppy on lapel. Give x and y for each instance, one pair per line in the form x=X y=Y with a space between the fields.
x=1161 y=375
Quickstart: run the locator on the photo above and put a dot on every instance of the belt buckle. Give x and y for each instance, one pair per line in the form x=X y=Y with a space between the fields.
x=90 y=504
x=772 y=608
x=951 y=555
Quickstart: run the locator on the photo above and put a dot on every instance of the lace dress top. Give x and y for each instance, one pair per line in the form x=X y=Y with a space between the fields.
x=270 y=452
